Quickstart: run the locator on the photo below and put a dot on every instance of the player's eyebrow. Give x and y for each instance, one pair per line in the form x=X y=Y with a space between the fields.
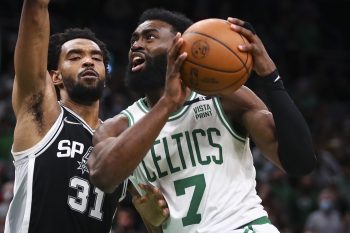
x=81 y=51
x=143 y=32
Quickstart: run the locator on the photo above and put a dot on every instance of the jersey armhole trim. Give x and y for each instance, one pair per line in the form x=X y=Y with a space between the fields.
x=128 y=114
x=125 y=188
x=225 y=121
x=52 y=133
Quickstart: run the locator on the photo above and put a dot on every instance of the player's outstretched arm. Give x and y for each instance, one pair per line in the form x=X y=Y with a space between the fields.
x=31 y=51
x=33 y=92
x=282 y=134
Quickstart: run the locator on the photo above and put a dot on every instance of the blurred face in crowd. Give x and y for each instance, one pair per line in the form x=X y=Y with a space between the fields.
x=148 y=55
x=81 y=70
x=326 y=200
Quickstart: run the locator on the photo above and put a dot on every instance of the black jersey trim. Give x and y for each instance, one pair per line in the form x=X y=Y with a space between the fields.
x=58 y=131
x=78 y=118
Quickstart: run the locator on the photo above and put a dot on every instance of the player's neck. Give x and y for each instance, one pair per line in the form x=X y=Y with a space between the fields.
x=89 y=113
x=151 y=99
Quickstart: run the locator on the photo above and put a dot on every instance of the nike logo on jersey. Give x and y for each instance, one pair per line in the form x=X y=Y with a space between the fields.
x=199 y=98
x=202 y=111
x=71 y=122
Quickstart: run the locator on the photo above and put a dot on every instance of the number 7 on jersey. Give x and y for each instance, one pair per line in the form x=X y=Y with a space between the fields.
x=198 y=181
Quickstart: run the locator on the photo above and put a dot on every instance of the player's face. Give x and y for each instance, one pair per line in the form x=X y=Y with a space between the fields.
x=82 y=70
x=148 y=55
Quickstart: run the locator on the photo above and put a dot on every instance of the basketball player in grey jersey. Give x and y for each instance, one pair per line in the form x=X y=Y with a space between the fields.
x=53 y=139
x=196 y=148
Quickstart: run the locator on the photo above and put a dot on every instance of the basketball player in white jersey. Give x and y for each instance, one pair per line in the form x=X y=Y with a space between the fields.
x=196 y=148
x=53 y=139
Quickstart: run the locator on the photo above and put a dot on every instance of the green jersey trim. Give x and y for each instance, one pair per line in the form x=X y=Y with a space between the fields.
x=225 y=121
x=259 y=221
x=174 y=116
x=131 y=120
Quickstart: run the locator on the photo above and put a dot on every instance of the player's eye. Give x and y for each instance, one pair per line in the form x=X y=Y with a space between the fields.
x=133 y=40
x=150 y=36
x=97 y=58
x=74 y=58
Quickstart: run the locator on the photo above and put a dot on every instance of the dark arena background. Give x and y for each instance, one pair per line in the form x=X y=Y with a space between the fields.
x=309 y=40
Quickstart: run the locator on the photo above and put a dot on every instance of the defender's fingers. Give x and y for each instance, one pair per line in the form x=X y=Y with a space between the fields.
x=165 y=212
x=151 y=190
x=162 y=203
x=140 y=199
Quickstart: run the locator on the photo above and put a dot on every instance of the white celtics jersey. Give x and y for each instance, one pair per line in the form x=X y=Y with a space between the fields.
x=203 y=167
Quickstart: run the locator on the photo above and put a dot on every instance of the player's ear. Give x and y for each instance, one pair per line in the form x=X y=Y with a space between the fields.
x=55 y=76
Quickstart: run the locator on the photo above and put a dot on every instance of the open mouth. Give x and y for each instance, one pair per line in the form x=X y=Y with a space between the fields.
x=138 y=63
x=89 y=73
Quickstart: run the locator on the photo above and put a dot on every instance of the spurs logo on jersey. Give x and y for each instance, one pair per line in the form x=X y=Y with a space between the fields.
x=83 y=164
x=67 y=148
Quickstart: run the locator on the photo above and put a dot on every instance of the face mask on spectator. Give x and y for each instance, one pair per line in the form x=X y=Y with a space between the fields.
x=326 y=205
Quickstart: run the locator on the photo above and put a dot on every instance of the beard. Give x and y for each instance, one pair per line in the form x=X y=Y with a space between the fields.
x=152 y=77
x=83 y=94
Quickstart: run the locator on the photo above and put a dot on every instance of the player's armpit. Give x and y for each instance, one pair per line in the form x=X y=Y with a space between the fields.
x=248 y=111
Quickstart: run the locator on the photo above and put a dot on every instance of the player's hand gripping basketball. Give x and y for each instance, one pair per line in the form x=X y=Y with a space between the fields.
x=175 y=89
x=263 y=65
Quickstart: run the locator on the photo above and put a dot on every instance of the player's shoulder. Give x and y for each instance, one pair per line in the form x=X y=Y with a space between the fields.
x=116 y=120
x=111 y=127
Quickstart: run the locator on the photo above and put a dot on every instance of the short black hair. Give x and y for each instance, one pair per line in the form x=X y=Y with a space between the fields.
x=57 y=40
x=177 y=20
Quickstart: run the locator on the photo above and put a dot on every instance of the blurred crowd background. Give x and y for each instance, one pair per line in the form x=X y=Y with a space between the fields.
x=309 y=40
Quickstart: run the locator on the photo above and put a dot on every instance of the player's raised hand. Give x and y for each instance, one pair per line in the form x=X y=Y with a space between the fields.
x=152 y=205
x=263 y=65
x=175 y=89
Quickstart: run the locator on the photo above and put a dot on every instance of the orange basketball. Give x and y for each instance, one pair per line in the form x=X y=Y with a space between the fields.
x=214 y=64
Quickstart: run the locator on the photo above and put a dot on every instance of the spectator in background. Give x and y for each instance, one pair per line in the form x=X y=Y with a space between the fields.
x=326 y=219
x=303 y=201
x=125 y=221
x=7 y=195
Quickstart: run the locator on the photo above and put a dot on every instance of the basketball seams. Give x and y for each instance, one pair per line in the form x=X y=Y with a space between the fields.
x=223 y=44
x=213 y=69
x=226 y=87
x=215 y=63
